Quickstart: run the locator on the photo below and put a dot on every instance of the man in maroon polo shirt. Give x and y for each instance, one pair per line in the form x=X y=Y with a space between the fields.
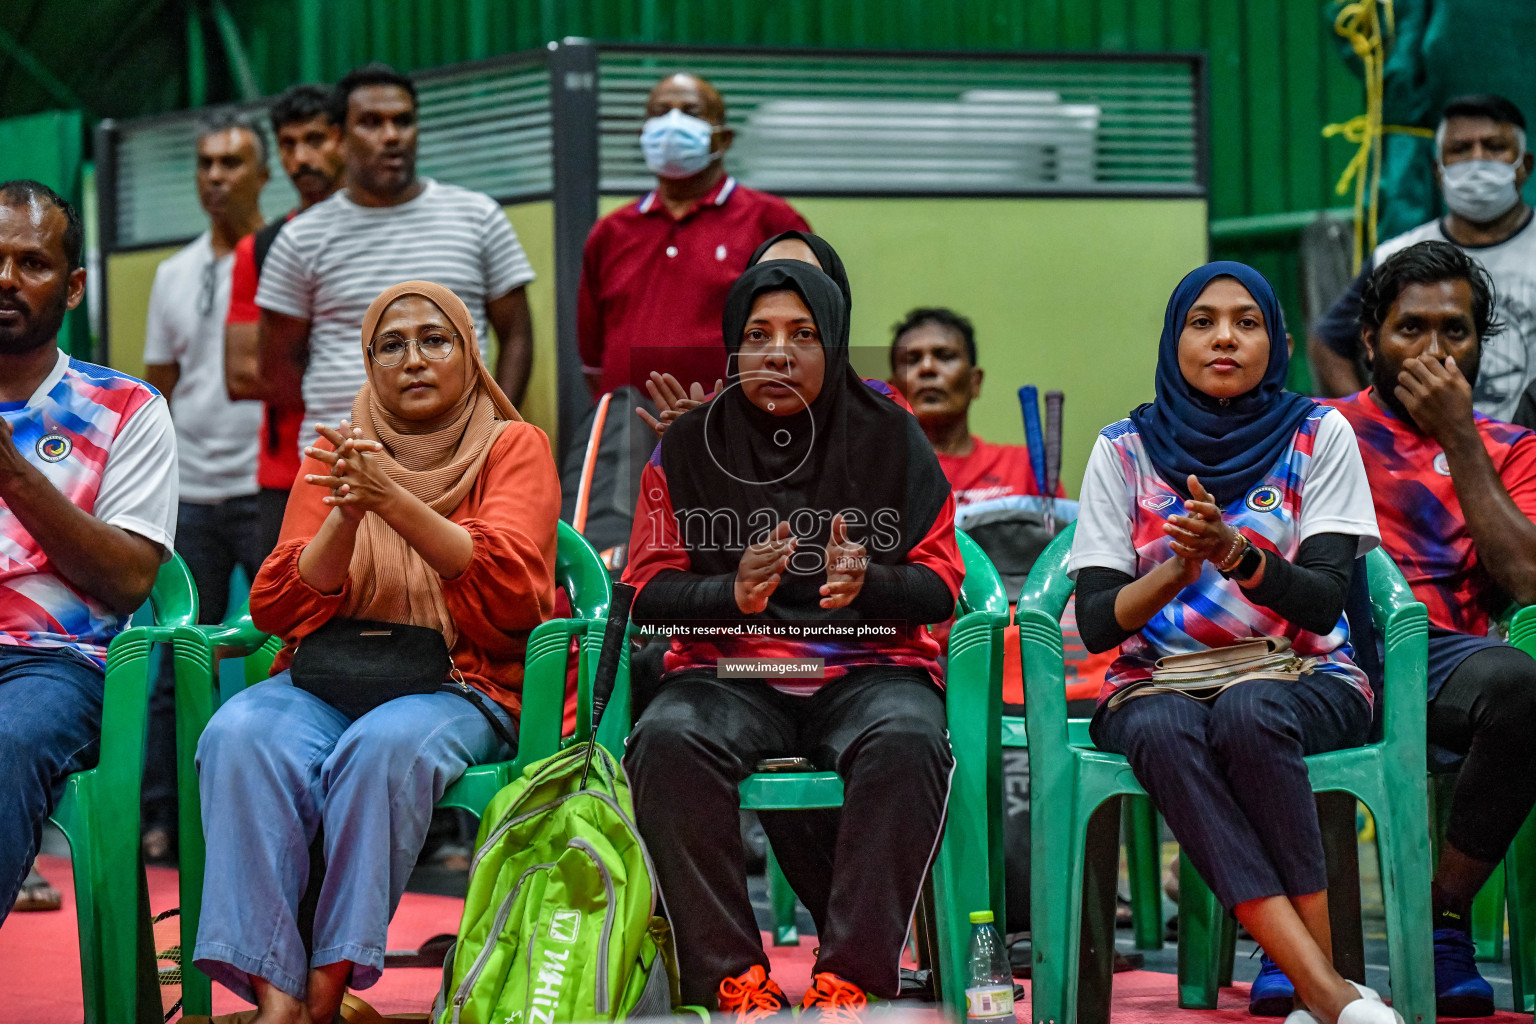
x=654 y=273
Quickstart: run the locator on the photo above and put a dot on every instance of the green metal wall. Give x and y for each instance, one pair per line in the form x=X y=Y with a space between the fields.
x=1275 y=76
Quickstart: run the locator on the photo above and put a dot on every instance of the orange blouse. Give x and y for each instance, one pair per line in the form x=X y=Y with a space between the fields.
x=507 y=589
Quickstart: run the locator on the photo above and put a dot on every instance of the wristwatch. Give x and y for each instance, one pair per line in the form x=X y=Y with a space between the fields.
x=1246 y=566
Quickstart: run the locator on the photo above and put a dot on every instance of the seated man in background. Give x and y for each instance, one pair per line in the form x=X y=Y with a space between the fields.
x=933 y=364
x=87 y=516
x=1455 y=496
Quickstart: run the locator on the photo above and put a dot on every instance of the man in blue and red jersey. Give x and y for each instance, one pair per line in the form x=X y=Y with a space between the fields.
x=654 y=273
x=1455 y=496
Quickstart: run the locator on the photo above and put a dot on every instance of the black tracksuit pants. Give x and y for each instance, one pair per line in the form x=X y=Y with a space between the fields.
x=859 y=871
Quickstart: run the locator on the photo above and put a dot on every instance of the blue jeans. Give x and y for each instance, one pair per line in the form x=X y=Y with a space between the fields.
x=275 y=764
x=50 y=727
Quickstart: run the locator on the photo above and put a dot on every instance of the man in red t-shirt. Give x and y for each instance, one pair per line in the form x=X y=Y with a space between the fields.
x=1455 y=495
x=933 y=363
x=654 y=273
x=309 y=145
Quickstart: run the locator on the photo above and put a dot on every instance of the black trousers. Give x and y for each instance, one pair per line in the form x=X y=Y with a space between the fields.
x=1486 y=710
x=1228 y=777
x=212 y=539
x=859 y=871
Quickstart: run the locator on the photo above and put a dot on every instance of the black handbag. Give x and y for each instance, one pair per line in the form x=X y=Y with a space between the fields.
x=354 y=665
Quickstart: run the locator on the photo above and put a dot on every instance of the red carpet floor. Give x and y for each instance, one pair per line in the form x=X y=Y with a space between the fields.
x=40 y=967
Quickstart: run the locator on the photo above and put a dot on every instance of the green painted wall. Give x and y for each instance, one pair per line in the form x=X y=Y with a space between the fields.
x=131 y=274
x=1064 y=293
x=47 y=147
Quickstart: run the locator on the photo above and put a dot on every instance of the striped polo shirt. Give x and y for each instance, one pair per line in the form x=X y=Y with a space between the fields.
x=330 y=264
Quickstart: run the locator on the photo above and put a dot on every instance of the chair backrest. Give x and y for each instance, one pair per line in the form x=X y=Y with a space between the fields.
x=982 y=589
x=580 y=570
x=173 y=601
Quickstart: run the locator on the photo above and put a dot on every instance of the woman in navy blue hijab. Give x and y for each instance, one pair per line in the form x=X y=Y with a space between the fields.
x=1227 y=511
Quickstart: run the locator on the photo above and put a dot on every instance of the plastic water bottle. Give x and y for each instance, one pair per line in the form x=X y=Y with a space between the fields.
x=989 y=993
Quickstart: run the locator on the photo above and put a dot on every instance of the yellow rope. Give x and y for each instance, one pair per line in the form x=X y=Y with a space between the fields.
x=1360 y=23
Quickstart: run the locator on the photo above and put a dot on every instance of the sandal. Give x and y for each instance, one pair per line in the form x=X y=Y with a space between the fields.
x=37 y=894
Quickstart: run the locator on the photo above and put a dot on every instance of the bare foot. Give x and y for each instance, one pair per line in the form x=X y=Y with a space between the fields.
x=274 y=1006
x=327 y=986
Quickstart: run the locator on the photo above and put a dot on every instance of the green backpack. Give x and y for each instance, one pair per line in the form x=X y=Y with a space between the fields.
x=560 y=919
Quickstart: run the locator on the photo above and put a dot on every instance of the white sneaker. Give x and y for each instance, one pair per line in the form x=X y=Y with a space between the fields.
x=1300 y=1017
x=1365 y=993
x=1366 y=1010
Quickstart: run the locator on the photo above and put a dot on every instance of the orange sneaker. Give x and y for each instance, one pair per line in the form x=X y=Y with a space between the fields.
x=752 y=996
x=831 y=1000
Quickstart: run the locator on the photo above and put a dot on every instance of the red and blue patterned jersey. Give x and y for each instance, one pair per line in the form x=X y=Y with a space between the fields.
x=1213 y=611
x=68 y=436
x=1422 y=525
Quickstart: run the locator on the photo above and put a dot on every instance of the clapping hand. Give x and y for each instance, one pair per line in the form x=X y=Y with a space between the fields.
x=356 y=480
x=761 y=566
x=672 y=401
x=1200 y=535
x=846 y=562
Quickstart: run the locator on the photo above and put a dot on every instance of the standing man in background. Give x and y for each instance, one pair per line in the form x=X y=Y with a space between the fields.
x=217 y=519
x=386 y=226
x=309 y=146
x=1481 y=163
x=654 y=274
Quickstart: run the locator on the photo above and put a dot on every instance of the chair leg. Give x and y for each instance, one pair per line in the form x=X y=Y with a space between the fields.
x=1101 y=870
x=781 y=899
x=1341 y=853
x=1055 y=907
x=1141 y=855
x=1203 y=927
x=1405 y=875
x=1520 y=886
x=1488 y=918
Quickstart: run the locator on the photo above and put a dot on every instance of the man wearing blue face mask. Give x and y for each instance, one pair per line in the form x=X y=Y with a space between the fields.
x=655 y=272
x=1481 y=163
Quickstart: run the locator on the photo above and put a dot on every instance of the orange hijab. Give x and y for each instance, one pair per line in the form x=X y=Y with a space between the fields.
x=438 y=462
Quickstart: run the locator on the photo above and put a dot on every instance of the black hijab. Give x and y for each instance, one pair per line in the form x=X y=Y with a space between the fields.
x=831 y=263
x=735 y=471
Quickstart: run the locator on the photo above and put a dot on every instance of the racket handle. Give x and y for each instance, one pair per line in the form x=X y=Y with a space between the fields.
x=1053 y=402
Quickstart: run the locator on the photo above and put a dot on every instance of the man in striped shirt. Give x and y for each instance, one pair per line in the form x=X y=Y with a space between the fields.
x=386 y=226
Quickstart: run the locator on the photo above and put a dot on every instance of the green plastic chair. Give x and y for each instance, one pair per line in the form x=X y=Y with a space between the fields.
x=578 y=569
x=100 y=815
x=1070 y=780
x=967 y=872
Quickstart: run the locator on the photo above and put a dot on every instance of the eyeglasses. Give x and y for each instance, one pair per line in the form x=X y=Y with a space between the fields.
x=390 y=349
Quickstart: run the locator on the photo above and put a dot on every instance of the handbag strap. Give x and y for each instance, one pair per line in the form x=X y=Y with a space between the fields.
x=469 y=693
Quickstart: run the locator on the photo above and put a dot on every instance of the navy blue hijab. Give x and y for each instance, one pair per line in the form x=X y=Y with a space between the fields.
x=1229 y=447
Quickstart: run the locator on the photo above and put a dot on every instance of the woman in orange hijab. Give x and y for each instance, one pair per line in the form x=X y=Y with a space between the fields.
x=434 y=506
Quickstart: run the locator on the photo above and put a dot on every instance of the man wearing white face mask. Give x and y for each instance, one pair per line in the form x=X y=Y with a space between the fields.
x=655 y=272
x=1481 y=164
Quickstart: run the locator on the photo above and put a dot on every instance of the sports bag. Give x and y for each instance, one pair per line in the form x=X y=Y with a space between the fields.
x=560 y=920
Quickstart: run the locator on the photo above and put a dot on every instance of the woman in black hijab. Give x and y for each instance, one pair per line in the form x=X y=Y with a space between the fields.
x=798 y=514
x=669 y=395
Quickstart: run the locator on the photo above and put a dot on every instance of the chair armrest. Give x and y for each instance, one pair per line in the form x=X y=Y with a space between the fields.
x=1522 y=629
x=544 y=669
x=1045 y=679
x=125 y=703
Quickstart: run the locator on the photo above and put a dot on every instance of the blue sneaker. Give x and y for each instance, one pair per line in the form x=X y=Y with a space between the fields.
x=1272 y=994
x=1459 y=990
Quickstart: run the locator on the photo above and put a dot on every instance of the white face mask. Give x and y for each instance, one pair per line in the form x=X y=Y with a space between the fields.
x=1480 y=190
x=677 y=145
